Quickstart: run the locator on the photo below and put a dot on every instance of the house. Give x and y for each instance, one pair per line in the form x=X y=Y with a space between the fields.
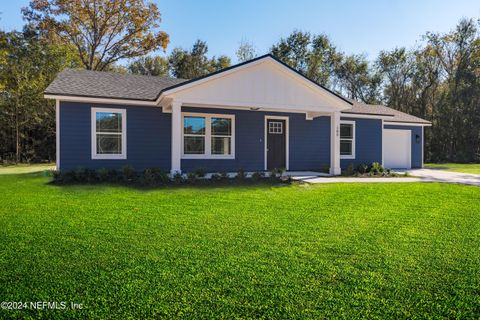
x=257 y=115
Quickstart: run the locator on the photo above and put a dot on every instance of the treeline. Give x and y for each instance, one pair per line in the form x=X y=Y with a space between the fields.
x=438 y=80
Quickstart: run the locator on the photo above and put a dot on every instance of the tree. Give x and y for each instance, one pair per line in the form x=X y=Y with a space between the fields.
x=151 y=66
x=102 y=31
x=195 y=63
x=27 y=121
x=246 y=51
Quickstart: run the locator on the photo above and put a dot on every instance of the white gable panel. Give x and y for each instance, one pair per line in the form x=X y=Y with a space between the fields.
x=266 y=84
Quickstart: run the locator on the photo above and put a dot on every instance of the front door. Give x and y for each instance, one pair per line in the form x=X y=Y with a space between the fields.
x=276 y=144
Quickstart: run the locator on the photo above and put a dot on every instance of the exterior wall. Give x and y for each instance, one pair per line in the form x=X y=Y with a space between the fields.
x=149 y=140
x=309 y=142
x=148 y=137
x=368 y=142
x=417 y=147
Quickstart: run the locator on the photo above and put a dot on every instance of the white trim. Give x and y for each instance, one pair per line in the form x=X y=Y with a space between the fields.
x=335 y=144
x=423 y=143
x=392 y=123
x=57 y=134
x=287 y=140
x=176 y=137
x=208 y=136
x=383 y=128
x=354 y=139
x=96 y=156
x=101 y=100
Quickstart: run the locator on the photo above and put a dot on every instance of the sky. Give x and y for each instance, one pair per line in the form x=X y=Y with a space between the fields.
x=355 y=27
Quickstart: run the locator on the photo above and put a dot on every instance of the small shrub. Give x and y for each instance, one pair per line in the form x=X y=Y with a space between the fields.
x=257 y=176
x=178 y=178
x=102 y=175
x=153 y=176
x=112 y=175
x=224 y=175
x=191 y=177
x=376 y=168
x=200 y=172
x=129 y=174
x=275 y=173
x=57 y=176
x=241 y=175
x=215 y=177
x=80 y=174
x=350 y=170
x=362 y=168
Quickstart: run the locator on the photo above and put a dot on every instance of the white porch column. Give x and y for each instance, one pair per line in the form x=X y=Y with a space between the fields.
x=176 y=137
x=335 y=143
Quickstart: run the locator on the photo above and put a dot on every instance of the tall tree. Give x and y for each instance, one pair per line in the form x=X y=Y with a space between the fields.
x=195 y=63
x=246 y=51
x=151 y=66
x=102 y=31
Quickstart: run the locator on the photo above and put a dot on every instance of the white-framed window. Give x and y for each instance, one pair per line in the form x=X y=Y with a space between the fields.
x=109 y=133
x=208 y=136
x=347 y=139
x=275 y=127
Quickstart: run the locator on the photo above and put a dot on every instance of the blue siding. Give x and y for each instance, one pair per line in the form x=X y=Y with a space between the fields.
x=416 y=146
x=309 y=142
x=148 y=137
x=368 y=142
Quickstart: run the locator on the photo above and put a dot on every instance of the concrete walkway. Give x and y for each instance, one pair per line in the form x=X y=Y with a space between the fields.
x=418 y=175
x=433 y=175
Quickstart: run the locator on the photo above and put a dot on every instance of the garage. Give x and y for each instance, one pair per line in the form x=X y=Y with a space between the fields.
x=397 y=148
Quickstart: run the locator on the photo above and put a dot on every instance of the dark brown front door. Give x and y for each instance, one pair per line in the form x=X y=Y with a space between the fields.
x=276 y=144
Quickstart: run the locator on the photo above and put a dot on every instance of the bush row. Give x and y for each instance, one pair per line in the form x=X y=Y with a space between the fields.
x=157 y=177
x=373 y=169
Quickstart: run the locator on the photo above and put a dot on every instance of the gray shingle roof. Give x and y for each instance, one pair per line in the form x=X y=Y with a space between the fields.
x=370 y=109
x=99 y=84
x=85 y=83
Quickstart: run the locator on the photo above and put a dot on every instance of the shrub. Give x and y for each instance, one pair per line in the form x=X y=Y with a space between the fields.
x=216 y=177
x=129 y=174
x=112 y=175
x=376 y=168
x=200 y=172
x=57 y=176
x=241 y=174
x=257 y=176
x=153 y=176
x=80 y=174
x=224 y=175
x=178 y=178
x=350 y=171
x=362 y=168
x=103 y=175
x=191 y=177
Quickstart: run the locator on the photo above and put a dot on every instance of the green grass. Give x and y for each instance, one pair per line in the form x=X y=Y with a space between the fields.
x=26 y=168
x=385 y=251
x=455 y=167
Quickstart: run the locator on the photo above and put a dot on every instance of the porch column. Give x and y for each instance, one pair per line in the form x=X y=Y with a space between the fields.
x=176 y=137
x=335 y=143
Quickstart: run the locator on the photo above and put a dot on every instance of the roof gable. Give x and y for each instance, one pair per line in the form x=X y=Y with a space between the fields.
x=264 y=83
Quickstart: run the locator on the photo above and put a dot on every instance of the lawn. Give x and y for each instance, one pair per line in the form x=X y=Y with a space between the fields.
x=455 y=167
x=386 y=251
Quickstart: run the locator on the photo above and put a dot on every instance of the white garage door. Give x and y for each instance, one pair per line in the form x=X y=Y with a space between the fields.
x=397 y=148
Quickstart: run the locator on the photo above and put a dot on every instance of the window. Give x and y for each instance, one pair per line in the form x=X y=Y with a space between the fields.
x=109 y=133
x=208 y=136
x=275 y=127
x=347 y=139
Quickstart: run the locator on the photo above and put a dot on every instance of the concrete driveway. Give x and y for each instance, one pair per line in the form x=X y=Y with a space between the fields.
x=417 y=175
x=432 y=175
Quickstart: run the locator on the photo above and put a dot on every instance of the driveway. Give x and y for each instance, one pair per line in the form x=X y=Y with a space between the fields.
x=417 y=175
x=432 y=175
